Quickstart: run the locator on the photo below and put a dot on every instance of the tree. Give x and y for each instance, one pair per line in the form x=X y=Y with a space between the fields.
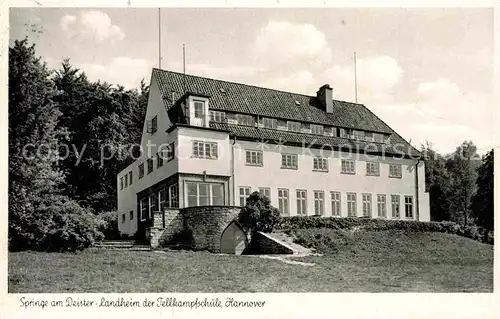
x=462 y=167
x=101 y=121
x=258 y=214
x=40 y=217
x=482 y=202
x=437 y=183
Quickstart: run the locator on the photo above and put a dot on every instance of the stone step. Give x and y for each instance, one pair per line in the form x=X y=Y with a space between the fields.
x=132 y=248
x=118 y=242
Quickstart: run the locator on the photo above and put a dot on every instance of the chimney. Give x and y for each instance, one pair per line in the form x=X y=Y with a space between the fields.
x=325 y=98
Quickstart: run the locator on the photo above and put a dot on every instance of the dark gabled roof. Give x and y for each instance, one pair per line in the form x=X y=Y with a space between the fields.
x=243 y=98
x=310 y=140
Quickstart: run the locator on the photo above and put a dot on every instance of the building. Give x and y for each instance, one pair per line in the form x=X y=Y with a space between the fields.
x=212 y=142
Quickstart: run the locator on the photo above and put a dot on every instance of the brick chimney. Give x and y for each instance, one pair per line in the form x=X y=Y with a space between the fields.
x=325 y=98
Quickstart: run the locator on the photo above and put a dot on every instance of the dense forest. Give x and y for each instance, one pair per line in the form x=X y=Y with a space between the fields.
x=62 y=195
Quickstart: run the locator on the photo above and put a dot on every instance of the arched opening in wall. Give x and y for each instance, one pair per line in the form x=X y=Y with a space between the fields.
x=233 y=240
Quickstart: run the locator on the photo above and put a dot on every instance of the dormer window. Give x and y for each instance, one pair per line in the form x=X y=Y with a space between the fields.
x=359 y=135
x=199 y=107
x=346 y=132
x=369 y=136
x=244 y=119
x=270 y=123
x=317 y=129
x=198 y=110
x=293 y=126
x=217 y=116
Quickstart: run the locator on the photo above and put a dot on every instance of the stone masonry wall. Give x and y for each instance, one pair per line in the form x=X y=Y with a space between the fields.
x=174 y=224
x=206 y=224
x=264 y=244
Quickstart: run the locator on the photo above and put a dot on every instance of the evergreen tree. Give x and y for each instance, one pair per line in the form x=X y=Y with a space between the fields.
x=482 y=202
x=437 y=183
x=462 y=167
x=40 y=217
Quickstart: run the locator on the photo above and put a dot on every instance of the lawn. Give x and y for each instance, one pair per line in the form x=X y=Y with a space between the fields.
x=385 y=261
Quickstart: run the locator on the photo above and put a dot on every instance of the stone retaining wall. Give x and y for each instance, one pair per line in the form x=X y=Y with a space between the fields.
x=206 y=224
x=265 y=244
x=203 y=225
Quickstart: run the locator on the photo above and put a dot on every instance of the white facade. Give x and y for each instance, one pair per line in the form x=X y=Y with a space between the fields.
x=230 y=169
x=271 y=175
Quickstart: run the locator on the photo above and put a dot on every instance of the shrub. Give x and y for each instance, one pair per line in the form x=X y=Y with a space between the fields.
x=54 y=223
x=350 y=223
x=258 y=214
x=109 y=225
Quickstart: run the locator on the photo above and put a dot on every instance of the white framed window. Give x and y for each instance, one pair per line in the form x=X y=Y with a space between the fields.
x=283 y=204
x=289 y=161
x=199 y=109
x=372 y=168
x=244 y=192
x=367 y=205
x=173 y=195
x=144 y=206
x=335 y=203
x=265 y=191
x=320 y=164
x=270 y=123
x=130 y=179
x=162 y=199
x=409 y=206
x=253 y=158
x=218 y=116
x=293 y=126
x=205 y=149
x=317 y=129
x=301 y=201
x=150 y=165
x=153 y=204
x=348 y=167
x=381 y=206
x=395 y=170
x=245 y=119
x=351 y=205
x=319 y=203
x=395 y=206
x=204 y=194
x=141 y=170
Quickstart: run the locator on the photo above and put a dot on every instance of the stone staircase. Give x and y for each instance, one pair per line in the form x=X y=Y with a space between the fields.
x=130 y=245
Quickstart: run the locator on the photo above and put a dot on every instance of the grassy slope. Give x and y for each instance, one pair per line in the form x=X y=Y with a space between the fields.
x=364 y=262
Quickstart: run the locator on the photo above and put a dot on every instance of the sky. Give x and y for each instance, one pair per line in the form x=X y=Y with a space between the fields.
x=427 y=73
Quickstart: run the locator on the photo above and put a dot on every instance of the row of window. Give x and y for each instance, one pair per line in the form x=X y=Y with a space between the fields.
x=158 y=201
x=163 y=155
x=126 y=180
x=335 y=198
x=299 y=127
x=255 y=158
